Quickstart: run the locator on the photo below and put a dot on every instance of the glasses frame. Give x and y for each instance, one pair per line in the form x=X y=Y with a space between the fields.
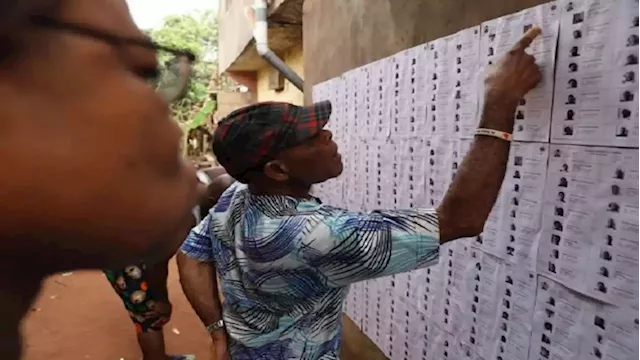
x=116 y=40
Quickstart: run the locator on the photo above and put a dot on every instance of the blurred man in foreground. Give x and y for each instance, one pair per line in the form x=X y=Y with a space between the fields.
x=142 y=287
x=93 y=178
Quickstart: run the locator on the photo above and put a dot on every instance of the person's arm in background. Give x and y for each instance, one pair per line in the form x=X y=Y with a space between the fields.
x=474 y=190
x=382 y=243
x=197 y=269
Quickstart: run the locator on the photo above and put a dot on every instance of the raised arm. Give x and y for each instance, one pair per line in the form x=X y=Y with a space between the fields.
x=473 y=192
x=352 y=247
x=363 y=246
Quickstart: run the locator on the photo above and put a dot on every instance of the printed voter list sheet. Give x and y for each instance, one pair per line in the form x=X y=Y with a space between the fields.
x=557 y=322
x=453 y=74
x=499 y=35
x=388 y=173
x=402 y=84
x=410 y=171
x=368 y=178
x=419 y=90
x=596 y=96
x=501 y=303
x=431 y=292
x=455 y=257
x=567 y=325
x=522 y=203
x=466 y=76
x=409 y=334
x=354 y=166
x=609 y=332
x=590 y=222
x=513 y=228
x=381 y=99
x=410 y=93
x=483 y=288
x=441 y=155
x=440 y=119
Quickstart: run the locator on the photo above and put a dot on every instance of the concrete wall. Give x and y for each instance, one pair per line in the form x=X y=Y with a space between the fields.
x=230 y=101
x=339 y=35
x=342 y=35
x=295 y=60
x=235 y=31
x=236 y=47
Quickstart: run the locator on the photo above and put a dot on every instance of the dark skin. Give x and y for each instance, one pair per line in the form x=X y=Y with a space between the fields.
x=465 y=207
x=213 y=192
x=90 y=148
x=152 y=343
x=199 y=280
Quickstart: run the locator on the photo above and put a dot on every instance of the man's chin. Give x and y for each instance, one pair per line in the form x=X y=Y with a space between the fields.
x=336 y=172
x=333 y=175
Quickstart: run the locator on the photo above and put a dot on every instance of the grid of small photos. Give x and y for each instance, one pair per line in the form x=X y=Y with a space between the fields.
x=554 y=274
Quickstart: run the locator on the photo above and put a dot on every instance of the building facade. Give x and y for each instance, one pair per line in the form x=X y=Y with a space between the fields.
x=240 y=60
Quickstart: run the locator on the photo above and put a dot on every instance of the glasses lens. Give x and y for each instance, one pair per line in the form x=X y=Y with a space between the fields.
x=173 y=79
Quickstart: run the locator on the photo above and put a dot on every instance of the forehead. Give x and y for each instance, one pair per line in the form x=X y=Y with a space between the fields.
x=108 y=15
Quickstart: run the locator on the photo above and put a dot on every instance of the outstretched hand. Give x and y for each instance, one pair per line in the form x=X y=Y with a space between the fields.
x=516 y=73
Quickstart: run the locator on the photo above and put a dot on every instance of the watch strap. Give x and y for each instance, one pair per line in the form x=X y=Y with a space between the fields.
x=213 y=327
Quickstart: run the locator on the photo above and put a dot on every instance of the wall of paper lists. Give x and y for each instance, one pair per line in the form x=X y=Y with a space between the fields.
x=555 y=273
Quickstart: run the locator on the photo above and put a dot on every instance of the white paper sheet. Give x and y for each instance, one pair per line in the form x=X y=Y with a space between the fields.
x=499 y=35
x=514 y=225
x=500 y=300
x=596 y=97
x=590 y=238
x=454 y=74
x=441 y=159
x=557 y=330
x=381 y=99
x=483 y=300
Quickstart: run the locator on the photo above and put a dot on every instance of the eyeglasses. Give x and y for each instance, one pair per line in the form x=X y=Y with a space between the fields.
x=175 y=66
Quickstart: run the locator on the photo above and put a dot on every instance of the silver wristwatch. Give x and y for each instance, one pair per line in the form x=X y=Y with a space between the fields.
x=215 y=326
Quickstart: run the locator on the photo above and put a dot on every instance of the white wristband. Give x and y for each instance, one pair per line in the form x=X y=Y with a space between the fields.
x=494 y=133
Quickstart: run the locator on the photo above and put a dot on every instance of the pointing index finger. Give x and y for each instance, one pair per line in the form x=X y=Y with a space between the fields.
x=528 y=38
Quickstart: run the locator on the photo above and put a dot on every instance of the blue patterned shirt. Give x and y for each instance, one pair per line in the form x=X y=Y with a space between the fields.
x=285 y=265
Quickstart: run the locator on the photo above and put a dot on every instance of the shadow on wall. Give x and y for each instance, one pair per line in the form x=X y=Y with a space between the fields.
x=355 y=346
x=363 y=31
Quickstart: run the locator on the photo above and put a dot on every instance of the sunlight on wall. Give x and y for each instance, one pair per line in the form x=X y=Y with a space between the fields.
x=295 y=59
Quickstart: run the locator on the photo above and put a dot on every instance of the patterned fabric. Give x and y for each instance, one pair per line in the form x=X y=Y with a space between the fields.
x=285 y=266
x=148 y=308
x=249 y=137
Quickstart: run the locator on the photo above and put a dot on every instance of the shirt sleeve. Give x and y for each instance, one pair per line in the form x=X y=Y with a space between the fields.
x=198 y=245
x=362 y=246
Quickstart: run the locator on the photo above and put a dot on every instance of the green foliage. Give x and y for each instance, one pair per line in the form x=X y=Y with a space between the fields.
x=198 y=33
x=202 y=115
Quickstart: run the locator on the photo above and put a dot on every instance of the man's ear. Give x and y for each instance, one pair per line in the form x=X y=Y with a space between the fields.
x=276 y=170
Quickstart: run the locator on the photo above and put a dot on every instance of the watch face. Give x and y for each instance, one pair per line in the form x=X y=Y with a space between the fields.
x=215 y=326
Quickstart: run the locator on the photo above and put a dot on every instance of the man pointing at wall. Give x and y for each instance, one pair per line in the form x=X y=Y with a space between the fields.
x=285 y=260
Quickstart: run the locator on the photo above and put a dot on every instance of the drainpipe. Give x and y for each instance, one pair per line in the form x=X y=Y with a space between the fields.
x=262 y=45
